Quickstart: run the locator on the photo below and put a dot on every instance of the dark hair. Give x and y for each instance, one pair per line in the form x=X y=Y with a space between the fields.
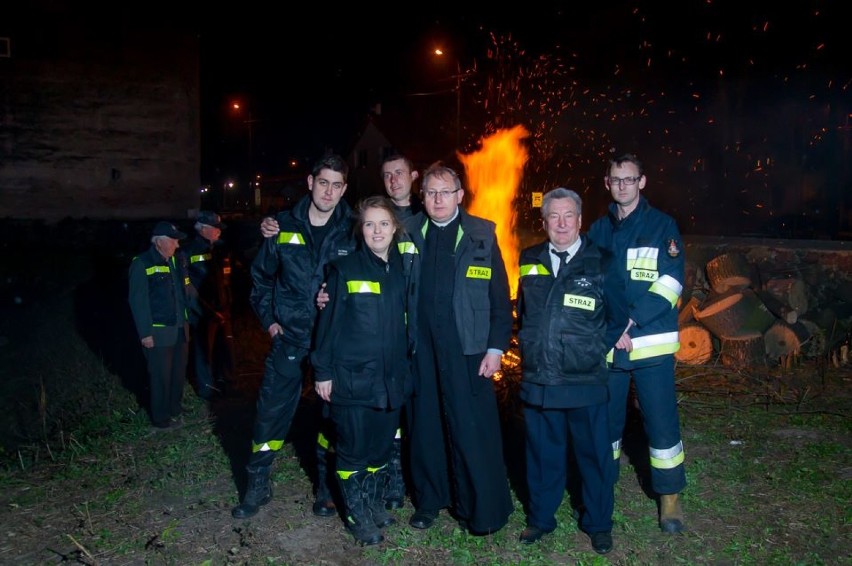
x=625 y=158
x=396 y=156
x=560 y=192
x=375 y=201
x=331 y=161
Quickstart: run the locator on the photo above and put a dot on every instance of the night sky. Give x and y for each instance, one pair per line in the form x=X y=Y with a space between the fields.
x=741 y=110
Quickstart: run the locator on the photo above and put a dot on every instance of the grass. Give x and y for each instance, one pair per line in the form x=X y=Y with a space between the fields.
x=85 y=480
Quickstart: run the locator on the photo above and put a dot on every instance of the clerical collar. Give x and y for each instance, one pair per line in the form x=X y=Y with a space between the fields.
x=444 y=224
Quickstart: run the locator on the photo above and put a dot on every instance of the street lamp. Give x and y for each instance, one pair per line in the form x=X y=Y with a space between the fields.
x=249 y=122
x=440 y=53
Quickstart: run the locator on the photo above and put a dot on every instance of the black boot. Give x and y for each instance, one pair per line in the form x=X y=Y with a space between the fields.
x=374 y=484
x=359 y=521
x=395 y=484
x=258 y=493
x=324 y=503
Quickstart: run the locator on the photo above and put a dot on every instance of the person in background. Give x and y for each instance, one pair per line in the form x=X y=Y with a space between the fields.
x=399 y=175
x=209 y=266
x=361 y=364
x=160 y=297
x=463 y=321
x=286 y=276
x=563 y=316
x=646 y=281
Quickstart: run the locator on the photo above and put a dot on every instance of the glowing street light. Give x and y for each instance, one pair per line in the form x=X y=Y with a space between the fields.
x=252 y=177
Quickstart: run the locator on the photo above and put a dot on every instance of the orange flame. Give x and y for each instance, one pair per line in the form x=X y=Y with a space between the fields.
x=494 y=174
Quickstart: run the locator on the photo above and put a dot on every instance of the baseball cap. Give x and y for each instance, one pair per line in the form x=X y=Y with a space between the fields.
x=164 y=228
x=210 y=218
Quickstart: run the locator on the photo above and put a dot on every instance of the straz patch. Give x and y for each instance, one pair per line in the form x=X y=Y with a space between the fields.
x=475 y=272
x=672 y=248
x=579 y=302
x=644 y=275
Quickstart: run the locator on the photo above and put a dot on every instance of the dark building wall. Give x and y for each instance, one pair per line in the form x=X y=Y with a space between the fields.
x=98 y=120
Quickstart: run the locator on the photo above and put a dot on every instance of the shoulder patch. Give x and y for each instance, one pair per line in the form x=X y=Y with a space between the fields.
x=672 y=248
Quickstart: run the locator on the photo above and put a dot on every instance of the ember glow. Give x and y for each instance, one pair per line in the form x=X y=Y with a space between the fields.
x=494 y=174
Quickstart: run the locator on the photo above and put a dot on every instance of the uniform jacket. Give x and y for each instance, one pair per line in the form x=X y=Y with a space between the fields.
x=645 y=280
x=562 y=319
x=209 y=266
x=483 y=311
x=289 y=269
x=361 y=342
x=159 y=296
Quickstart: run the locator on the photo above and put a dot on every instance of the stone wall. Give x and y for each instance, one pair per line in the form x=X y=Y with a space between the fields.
x=99 y=122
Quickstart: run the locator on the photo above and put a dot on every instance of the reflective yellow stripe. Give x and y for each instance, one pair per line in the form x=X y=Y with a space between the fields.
x=407 y=248
x=654 y=345
x=475 y=272
x=610 y=355
x=616 y=449
x=666 y=459
x=157 y=269
x=158 y=325
x=578 y=302
x=200 y=257
x=642 y=258
x=186 y=280
x=322 y=441
x=668 y=288
x=344 y=474
x=374 y=470
x=398 y=434
x=534 y=269
x=268 y=446
x=364 y=287
x=291 y=238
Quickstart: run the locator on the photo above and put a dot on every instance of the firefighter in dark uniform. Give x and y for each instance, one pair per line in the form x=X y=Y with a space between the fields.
x=361 y=364
x=463 y=319
x=646 y=282
x=212 y=332
x=563 y=341
x=160 y=297
x=286 y=276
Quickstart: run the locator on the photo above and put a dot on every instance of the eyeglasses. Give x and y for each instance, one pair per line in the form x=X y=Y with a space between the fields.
x=627 y=181
x=443 y=194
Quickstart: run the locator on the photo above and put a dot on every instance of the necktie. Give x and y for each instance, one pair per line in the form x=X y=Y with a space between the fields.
x=563 y=257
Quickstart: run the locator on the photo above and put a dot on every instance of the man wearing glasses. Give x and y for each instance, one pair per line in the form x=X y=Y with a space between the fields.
x=644 y=284
x=463 y=318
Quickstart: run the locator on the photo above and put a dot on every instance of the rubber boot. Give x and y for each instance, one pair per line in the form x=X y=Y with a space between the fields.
x=258 y=493
x=374 y=484
x=395 y=485
x=324 y=503
x=671 y=514
x=359 y=521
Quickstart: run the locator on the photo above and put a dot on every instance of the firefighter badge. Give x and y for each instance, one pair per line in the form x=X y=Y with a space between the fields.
x=673 y=250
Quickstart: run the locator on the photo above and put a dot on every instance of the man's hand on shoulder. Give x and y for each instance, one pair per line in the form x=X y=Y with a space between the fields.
x=269 y=227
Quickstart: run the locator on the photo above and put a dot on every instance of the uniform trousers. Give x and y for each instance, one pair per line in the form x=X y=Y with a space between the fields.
x=166 y=376
x=277 y=400
x=655 y=389
x=550 y=435
x=364 y=436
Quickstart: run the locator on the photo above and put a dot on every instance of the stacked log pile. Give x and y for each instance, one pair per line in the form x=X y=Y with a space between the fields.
x=733 y=317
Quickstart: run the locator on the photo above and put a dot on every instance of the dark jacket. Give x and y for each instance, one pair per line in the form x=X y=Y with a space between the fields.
x=289 y=269
x=209 y=266
x=483 y=310
x=361 y=342
x=645 y=280
x=158 y=296
x=562 y=319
